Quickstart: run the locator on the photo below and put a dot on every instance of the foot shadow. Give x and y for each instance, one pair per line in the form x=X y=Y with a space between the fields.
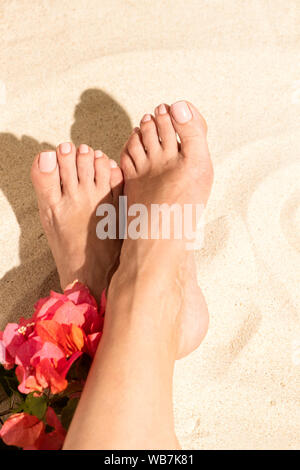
x=98 y=121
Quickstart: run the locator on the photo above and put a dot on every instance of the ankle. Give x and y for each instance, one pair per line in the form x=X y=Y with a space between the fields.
x=140 y=306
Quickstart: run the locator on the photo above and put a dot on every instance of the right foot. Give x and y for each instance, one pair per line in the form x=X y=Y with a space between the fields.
x=159 y=170
x=70 y=185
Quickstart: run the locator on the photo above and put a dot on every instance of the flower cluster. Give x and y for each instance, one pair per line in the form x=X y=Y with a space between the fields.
x=45 y=361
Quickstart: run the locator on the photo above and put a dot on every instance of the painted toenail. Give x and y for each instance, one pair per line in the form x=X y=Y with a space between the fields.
x=113 y=164
x=65 y=148
x=83 y=148
x=146 y=118
x=181 y=112
x=162 y=109
x=98 y=154
x=47 y=162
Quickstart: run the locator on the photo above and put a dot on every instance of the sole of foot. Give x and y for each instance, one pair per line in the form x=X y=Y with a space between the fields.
x=159 y=169
x=70 y=183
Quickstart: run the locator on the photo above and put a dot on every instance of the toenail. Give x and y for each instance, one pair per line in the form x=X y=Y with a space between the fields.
x=146 y=118
x=47 y=162
x=98 y=154
x=113 y=164
x=181 y=112
x=162 y=109
x=65 y=148
x=83 y=148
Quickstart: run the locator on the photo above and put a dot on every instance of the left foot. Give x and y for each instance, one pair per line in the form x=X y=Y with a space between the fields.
x=70 y=185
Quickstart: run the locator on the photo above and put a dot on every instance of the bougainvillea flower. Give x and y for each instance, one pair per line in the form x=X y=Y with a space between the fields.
x=48 y=377
x=12 y=338
x=92 y=342
x=54 y=439
x=70 y=338
x=79 y=294
x=84 y=315
x=23 y=375
x=28 y=432
x=6 y=359
x=27 y=350
x=48 y=351
x=35 y=377
x=21 y=430
x=45 y=308
x=50 y=372
x=44 y=347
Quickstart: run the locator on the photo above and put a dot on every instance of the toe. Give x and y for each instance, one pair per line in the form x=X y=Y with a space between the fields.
x=127 y=165
x=45 y=178
x=66 y=156
x=85 y=165
x=190 y=127
x=136 y=150
x=166 y=129
x=149 y=135
x=102 y=171
x=116 y=179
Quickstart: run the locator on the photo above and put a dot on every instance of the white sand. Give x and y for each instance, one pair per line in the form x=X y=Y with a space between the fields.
x=239 y=62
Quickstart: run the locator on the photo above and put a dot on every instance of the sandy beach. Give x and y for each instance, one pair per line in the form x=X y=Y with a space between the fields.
x=87 y=72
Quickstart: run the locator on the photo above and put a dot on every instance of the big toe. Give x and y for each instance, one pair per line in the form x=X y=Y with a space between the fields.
x=191 y=128
x=46 y=179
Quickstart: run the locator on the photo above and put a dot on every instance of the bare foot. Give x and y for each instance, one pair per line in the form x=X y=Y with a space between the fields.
x=159 y=170
x=69 y=187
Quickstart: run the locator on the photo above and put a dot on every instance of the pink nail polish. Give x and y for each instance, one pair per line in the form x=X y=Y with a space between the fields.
x=47 y=162
x=113 y=164
x=83 y=148
x=146 y=118
x=65 y=148
x=98 y=154
x=181 y=112
x=162 y=109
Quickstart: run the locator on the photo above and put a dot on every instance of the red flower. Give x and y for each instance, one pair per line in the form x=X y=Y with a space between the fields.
x=21 y=430
x=54 y=439
x=10 y=341
x=68 y=337
x=27 y=431
x=62 y=328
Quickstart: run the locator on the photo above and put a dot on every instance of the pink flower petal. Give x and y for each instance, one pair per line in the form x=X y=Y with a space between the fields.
x=46 y=308
x=83 y=315
x=12 y=339
x=79 y=294
x=27 y=350
x=49 y=351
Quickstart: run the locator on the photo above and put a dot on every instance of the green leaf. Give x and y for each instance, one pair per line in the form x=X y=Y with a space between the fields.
x=36 y=405
x=68 y=412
